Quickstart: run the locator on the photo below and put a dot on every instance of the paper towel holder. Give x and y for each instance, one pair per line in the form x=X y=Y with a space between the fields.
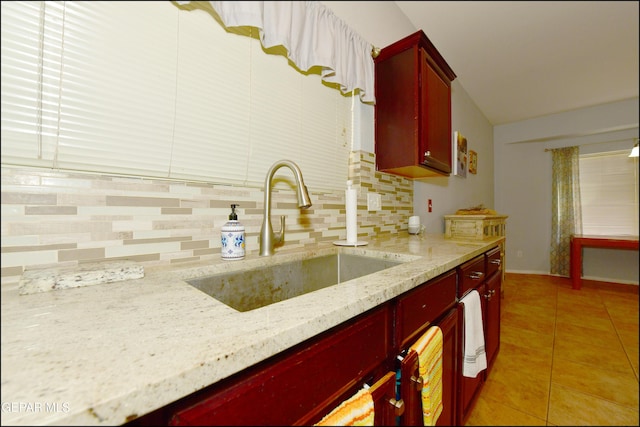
x=351 y=218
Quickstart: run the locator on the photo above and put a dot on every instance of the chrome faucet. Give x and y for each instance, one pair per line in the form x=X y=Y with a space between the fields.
x=269 y=239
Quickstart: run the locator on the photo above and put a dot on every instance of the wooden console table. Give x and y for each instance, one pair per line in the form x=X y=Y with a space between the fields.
x=580 y=241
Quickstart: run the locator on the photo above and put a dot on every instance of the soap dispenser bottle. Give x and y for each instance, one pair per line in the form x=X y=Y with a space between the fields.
x=232 y=235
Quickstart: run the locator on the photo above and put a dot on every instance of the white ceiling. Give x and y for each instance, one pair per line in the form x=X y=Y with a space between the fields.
x=524 y=59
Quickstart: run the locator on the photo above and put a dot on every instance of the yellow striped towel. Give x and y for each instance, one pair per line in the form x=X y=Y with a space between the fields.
x=429 y=349
x=355 y=411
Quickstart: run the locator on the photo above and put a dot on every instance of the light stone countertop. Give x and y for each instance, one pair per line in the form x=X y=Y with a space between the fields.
x=103 y=354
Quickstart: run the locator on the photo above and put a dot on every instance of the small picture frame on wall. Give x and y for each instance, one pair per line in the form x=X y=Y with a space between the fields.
x=473 y=162
x=459 y=155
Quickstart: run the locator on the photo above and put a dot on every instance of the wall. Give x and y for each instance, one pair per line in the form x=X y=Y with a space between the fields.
x=523 y=183
x=61 y=219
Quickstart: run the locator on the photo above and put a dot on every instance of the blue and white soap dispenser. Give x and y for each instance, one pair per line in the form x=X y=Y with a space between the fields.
x=232 y=237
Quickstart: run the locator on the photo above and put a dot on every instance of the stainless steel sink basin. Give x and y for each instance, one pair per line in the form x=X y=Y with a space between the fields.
x=246 y=290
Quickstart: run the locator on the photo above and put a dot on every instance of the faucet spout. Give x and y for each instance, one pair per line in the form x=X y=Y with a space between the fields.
x=269 y=239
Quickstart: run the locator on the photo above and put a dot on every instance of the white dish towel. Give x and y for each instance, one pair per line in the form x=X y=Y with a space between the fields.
x=475 y=357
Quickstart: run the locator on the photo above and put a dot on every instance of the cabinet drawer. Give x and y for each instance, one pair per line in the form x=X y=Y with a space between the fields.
x=301 y=385
x=494 y=261
x=471 y=274
x=421 y=306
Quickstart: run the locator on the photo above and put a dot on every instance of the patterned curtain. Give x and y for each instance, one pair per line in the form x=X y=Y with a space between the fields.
x=566 y=215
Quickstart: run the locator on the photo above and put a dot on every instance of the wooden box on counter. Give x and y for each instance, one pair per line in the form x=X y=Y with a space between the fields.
x=474 y=227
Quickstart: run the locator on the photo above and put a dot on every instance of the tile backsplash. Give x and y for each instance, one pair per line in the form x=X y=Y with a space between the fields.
x=64 y=218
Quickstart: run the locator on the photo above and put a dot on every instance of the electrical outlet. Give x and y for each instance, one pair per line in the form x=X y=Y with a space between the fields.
x=374 y=202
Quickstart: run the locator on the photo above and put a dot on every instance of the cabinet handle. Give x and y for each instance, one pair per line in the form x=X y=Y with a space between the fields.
x=495 y=261
x=419 y=382
x=475 y=275
x=489 y=294
x=398 y=406
x=427 y=153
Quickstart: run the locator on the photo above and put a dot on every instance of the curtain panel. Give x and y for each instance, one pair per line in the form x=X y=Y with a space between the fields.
x=312 y=35
x=566 y=217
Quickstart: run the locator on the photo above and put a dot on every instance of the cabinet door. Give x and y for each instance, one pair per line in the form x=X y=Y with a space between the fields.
x=450 y=365
x=413 y=109
x=397 y=111
x=410 y=386
x=469 y=387
x=303 y=384
x=435 y=126
x=386 y=407
x=492 y=318
x=420 y=307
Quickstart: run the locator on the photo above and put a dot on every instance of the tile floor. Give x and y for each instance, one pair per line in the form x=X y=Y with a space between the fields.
x=567 y=357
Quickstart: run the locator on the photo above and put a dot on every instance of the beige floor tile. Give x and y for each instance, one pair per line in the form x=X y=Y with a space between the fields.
x=600 y=382
x=581 y=311
x=627 y=327
x=532 y=310
x=586 y=336
x=541 y=325
x=519 y=391
x=568 y=407
x=586 y=295
x=515 y=358
x=491 y=412
x=596 y=355
x=633 y=360
x=621 y=306
x=567 y=357
x=525 y=338
x=587 y=320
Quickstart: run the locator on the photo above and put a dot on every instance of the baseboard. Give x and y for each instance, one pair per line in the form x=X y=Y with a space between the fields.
x=609 y=280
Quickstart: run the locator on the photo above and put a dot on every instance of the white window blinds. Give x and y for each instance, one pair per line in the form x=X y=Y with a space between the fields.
x=148 y=89
x=609 y=193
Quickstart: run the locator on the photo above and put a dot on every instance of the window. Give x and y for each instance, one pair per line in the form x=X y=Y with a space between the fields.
x=609 y=193
x=148 y=89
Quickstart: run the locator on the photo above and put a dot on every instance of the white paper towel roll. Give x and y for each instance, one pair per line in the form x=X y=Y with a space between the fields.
x=351 y=207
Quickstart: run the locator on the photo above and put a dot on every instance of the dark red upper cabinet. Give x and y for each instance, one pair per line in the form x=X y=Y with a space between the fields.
x=413 y=109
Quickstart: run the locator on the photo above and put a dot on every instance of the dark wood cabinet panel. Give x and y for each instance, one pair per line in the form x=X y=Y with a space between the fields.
x=409 y=373
x=492 y=318
x=494 y=261
x=420 y=307
x=386 y=407
x=413 y=109
x=436 y=140
x=471 y=274
x=431 y=304
x=484 y=274
x=469 y=388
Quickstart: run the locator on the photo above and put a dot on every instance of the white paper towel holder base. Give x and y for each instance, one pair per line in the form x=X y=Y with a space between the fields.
x=345 y=243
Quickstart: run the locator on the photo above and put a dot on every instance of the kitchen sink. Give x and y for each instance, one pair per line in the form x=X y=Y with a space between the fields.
x=246 y=290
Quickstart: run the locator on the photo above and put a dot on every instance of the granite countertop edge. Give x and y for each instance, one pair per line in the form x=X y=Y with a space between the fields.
x=108 y=353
